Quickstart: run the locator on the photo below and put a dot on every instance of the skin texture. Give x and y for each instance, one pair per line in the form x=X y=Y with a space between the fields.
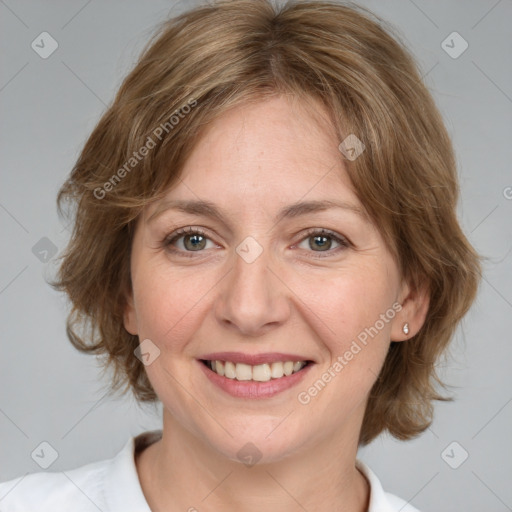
x=294 y=298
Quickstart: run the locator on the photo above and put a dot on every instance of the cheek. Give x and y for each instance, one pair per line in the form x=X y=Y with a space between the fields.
x=168 y=303
x=351 y=302
x=357 y=308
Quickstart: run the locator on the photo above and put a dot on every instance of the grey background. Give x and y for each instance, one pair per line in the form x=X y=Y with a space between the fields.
x=50 y=392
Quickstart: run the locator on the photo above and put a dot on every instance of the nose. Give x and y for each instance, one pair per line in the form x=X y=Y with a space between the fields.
x=252 y=299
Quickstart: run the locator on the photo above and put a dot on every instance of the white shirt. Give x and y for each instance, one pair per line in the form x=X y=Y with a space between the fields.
x=113 y=485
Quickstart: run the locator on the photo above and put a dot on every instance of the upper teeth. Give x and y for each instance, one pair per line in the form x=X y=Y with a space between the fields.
x=260 y=372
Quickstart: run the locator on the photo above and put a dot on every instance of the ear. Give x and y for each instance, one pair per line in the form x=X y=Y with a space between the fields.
x=415 y=301
x=130 y=316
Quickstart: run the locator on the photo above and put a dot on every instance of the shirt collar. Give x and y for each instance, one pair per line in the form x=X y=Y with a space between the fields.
x=122 y=485
x=378 y=499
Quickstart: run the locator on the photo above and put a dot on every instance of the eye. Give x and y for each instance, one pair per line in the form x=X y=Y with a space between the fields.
x=188 y=240
x=320 y=240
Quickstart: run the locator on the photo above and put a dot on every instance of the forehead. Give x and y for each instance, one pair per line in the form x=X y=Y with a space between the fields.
x=271 y=151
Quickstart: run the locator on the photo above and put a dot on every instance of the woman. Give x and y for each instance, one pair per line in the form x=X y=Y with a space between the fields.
x=266 y=242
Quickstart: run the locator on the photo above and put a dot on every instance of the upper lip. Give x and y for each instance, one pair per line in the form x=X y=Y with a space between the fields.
x=253 y=359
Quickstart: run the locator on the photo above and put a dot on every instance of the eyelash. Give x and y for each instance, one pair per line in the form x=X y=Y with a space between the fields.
x=179 y=233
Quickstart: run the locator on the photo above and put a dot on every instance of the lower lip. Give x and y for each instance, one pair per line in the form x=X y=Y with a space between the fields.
x=254 y=389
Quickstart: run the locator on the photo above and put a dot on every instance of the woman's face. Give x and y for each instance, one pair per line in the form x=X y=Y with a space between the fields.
x=260 y=286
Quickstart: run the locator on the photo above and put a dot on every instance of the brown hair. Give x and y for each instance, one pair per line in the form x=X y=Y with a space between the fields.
x=214 y=57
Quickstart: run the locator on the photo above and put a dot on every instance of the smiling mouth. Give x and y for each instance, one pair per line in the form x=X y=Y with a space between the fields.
x=257 y=373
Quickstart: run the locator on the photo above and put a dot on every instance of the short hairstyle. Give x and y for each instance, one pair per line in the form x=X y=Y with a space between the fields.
x=214 y=57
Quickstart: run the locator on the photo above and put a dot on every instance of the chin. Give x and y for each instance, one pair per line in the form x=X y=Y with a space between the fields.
x=258 y=440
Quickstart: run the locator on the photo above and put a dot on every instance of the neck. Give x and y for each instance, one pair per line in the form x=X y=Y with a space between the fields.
x=181 y=472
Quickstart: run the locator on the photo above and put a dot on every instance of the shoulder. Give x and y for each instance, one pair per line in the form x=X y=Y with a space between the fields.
x=381 y=501
x=56 y=491
x=110 y=485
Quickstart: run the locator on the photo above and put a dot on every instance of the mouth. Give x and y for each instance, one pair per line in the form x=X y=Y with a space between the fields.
x=254 y=376
x=257 y=373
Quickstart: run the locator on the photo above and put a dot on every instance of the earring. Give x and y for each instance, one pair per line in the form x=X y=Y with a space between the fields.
x=405 y=328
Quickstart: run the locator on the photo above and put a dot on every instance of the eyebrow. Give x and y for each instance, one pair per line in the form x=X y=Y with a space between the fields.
x=209 y=209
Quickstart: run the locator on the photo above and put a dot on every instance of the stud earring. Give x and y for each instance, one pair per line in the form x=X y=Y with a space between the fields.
x=405 y=328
